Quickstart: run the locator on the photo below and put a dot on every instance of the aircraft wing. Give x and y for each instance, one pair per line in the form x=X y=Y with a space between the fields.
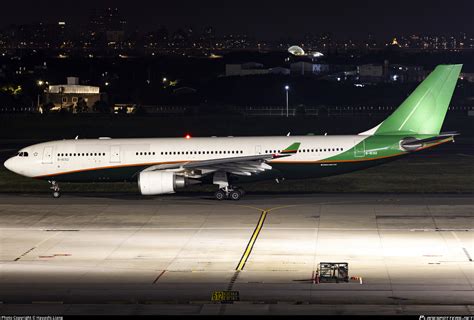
x=245 y=166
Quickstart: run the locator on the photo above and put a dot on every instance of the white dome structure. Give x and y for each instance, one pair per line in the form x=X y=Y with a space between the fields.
x=296 y=50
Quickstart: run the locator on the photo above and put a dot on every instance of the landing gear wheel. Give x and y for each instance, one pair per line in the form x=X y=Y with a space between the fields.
x=220 y=195
x=235 y=195
x=55 y=188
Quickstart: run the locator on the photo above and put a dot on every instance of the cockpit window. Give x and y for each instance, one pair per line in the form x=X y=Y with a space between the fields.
x=23 y=154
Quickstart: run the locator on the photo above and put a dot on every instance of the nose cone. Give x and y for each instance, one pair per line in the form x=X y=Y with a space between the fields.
x=11 y=165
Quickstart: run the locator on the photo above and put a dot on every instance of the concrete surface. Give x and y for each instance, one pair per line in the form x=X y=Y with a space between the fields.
x=121 y=254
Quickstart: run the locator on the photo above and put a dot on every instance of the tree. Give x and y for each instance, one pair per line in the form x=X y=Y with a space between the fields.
x=139 y=110
x=47 y=107
x=101 y=106
x=81 y=106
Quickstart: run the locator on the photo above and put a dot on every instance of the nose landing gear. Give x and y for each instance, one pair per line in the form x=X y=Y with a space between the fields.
x=55 y=188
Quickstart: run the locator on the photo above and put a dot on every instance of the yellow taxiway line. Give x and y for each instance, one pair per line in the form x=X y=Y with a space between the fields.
x=254 y=237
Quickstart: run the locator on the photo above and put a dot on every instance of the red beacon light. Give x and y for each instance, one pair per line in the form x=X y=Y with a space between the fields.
x=187 y=136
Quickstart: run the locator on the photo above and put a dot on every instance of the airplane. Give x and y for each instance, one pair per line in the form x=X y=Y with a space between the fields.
x=163 y=165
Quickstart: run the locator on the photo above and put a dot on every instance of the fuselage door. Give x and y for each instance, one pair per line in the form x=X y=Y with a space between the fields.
x=48 y=155
x=115 y=154
x=359 y=149
x=258 y=150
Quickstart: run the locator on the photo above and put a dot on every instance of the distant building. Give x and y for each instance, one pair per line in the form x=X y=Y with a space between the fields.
x=72 y=96
x=245 y=69
x=296 y=51
x=308 y=68
x=402 y=73
x=107 y=27
x=279 y=70
x=371 y=73
x=370 y=70
x=375 y=73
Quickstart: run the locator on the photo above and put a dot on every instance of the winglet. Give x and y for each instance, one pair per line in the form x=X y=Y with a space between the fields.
x=291 y=149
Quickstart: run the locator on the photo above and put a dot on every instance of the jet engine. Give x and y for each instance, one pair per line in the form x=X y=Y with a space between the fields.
x=159 y=182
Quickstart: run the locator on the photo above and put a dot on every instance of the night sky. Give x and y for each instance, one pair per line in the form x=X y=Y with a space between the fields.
x=268 y=19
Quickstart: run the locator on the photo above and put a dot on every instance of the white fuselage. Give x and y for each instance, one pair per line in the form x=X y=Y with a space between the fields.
x=69 y=156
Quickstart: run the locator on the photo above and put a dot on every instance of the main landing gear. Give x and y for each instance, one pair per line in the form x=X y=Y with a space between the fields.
x=230 y=192
x=55 y=188
x=226 y=191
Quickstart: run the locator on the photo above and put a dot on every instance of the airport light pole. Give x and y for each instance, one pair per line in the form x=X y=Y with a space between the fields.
x=287 y=88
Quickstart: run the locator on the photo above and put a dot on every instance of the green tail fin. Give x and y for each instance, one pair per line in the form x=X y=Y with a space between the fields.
x=424 y=110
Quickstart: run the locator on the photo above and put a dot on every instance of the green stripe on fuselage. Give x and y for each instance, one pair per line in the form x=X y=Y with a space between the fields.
x=372 y=147
x=377 y=147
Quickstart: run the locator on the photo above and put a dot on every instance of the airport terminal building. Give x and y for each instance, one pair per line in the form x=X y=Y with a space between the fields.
x=72 y=96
